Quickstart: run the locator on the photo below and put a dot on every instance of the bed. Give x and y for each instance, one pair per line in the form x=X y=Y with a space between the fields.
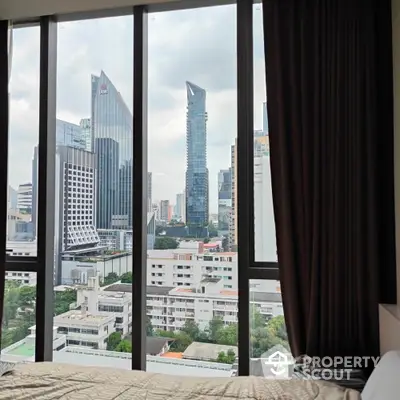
x=63 y=381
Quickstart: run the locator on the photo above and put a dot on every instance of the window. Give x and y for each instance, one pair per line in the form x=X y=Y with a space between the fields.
x=19 y=313
x=264 y=223
x=192 y=117
x=23 y=139
x=267 y=324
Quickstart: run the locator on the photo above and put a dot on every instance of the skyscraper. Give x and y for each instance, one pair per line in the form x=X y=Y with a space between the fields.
x=68 y=134
x=164 y=210
x=196 y=159
x=107 y=161
x=180 y=206
x=87 y=133
x=224 y=199
x=74 y=202
x=111 y=119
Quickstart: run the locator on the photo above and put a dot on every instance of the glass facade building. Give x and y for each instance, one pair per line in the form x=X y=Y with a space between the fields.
x=111 y=124
x=196 y=158
x=224 y=199
x=71 y=135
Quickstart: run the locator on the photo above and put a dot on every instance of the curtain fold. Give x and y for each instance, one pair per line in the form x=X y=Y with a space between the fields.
x=330 y=114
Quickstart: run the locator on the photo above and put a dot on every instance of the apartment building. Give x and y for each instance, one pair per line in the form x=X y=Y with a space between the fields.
x=119 y=305
x=169 y=307
x=85 y=329
x=21 y=249
x=187 y=267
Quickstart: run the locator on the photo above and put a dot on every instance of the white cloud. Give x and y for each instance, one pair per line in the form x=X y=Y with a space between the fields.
x=197 y=45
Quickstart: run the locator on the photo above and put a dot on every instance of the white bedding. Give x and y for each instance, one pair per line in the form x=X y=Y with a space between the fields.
x=384 y=382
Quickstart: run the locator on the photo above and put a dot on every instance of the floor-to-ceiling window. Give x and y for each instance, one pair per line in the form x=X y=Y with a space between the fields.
x=178 y=81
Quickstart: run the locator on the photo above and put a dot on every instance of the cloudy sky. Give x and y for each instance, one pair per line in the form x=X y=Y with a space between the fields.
x=195 y=45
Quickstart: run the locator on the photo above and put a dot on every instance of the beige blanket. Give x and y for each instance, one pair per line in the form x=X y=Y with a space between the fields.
x=61 y=381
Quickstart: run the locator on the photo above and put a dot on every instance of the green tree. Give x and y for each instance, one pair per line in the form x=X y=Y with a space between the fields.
x=228 y=358
x=149 y=327
x=192 y=329
x=257 y=319
x=126 y=277
x=225 y=243
x=227 y=335
x=124 y=346
x=113 y=341
x=213 y=327
x=11 y=304
x=63 y=300
x=206 y=240
x=162 y=243
x=27 y=295
x=181 y=342
x=111 y=278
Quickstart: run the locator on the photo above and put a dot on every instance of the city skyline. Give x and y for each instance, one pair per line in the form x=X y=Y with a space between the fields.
x=87 y=47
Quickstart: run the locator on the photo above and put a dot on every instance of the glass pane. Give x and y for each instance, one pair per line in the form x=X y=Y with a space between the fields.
x=268 y=336
x=93 y=220
x=191 y=272
x=19 y=314
x=23 y=137
x=264 y=223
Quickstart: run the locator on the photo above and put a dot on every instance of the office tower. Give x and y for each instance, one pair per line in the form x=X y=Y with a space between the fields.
x=87 y=134
x=124 y=218
x=196 y=158
x=180 y=206
x=155 y=208
x=107 y=193
x=12 y=198
x=111 y=119
x=233 y=219
x=24 y=198
x=265 y=118
x=164 y=210
x=264 y=222
x=68 y=134
x=224 y=199
x=149 y=191
x=74 y=202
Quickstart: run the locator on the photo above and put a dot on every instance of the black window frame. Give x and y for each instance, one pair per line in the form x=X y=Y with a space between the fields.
x=248 y=268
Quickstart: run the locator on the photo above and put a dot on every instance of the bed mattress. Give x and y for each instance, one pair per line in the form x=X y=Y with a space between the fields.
x=62 y=381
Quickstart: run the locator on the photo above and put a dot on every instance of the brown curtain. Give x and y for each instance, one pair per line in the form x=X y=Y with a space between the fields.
x=329 y=89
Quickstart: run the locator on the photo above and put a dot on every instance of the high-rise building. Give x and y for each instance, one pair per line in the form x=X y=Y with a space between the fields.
x=233 y=219
x=124 y=220
x=68 y=134
x=265 y=118
x=24 y=198
x=180 y=206
x=264 y=222
x=224 y=199
x=87 y=133
x=164 y=210
x=111 y=119
x=74 y=202
x=149 y=191
x=107 y=193
x=196 y=158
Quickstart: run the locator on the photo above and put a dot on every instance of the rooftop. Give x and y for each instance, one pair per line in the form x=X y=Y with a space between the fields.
x=206 y=351
x=78 y=315
x=150 y=290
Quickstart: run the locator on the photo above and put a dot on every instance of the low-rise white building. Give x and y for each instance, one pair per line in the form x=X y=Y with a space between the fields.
x=186 y=269
x=85 y=329
x=169 y=307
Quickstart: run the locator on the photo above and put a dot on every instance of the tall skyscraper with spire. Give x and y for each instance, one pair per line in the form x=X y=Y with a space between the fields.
x=196 y=158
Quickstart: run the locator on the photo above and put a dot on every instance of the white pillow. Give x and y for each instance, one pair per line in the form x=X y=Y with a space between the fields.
x=384 y=382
